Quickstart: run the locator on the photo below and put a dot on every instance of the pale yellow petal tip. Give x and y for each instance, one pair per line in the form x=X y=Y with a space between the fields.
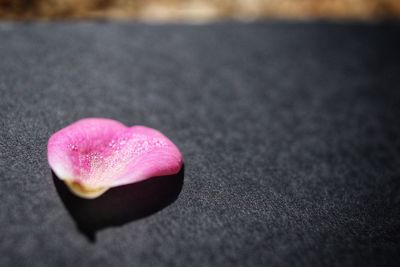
x=85 y=192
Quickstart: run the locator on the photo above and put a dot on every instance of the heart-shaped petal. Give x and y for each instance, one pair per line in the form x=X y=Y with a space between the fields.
x=93 y=155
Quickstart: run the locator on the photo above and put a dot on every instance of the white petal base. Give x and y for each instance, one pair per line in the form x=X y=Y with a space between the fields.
x=84 y=192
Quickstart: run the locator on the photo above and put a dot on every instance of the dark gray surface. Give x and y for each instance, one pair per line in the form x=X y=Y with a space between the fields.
x=290 y=135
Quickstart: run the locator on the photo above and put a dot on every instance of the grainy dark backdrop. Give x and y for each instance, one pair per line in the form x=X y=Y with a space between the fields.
x=290 y=135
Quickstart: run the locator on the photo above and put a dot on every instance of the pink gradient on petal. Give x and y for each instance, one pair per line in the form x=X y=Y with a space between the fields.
x=103 y=153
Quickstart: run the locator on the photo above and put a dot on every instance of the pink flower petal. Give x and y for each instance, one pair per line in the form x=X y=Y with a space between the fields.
x=93 y=155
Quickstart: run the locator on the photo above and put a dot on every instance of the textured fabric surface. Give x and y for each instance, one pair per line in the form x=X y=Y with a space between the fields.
x=290 y=136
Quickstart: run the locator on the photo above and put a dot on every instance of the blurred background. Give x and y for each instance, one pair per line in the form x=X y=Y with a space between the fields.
x=197 y=10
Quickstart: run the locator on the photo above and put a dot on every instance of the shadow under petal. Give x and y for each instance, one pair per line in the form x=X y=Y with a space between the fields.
x=120 y=205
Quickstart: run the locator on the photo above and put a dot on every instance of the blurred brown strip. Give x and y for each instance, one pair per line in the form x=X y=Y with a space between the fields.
x=197 y=10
